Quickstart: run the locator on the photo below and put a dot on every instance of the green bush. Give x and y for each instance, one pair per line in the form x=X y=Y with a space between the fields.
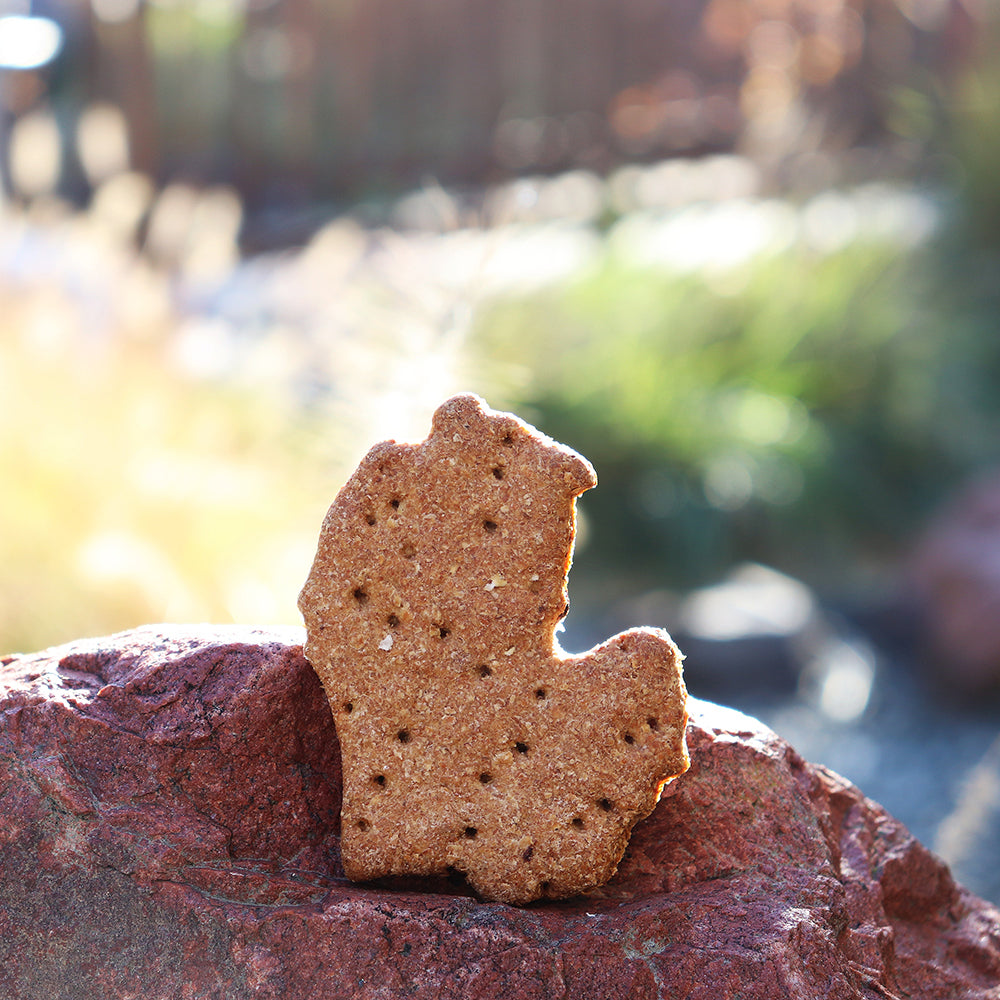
x=807 y=411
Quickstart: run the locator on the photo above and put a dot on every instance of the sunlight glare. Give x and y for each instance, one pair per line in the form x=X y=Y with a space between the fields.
x=28 y=42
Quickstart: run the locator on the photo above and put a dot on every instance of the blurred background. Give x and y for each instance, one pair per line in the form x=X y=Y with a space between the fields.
x=742 y=254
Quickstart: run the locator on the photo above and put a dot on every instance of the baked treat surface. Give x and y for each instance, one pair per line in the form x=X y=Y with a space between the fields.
x=470 y=741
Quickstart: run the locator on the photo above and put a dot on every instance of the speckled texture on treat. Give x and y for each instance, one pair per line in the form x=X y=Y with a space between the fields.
x=471 y=742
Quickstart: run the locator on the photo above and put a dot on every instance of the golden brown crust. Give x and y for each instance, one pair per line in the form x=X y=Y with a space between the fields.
x=470 y=741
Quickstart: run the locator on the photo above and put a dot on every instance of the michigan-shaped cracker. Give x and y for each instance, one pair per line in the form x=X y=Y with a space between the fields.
x=470 y=741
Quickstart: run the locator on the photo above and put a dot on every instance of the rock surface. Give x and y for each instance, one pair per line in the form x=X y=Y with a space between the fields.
x=169 y=803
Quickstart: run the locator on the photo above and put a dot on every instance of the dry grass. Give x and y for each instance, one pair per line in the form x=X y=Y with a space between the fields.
x=167 y=457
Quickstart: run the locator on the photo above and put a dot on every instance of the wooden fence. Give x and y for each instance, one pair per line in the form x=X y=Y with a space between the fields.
x=306 y=99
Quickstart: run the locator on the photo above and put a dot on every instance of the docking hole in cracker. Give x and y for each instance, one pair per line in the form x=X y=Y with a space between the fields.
x=471 y=743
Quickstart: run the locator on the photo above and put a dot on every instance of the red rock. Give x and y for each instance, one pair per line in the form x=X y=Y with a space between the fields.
x=169 y=805
x=956 y=578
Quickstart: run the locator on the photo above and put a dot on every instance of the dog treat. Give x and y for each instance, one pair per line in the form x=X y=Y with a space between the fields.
x=470 y=741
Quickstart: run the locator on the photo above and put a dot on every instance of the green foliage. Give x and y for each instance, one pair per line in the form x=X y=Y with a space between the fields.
x=975 y=137
x=806 y=412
